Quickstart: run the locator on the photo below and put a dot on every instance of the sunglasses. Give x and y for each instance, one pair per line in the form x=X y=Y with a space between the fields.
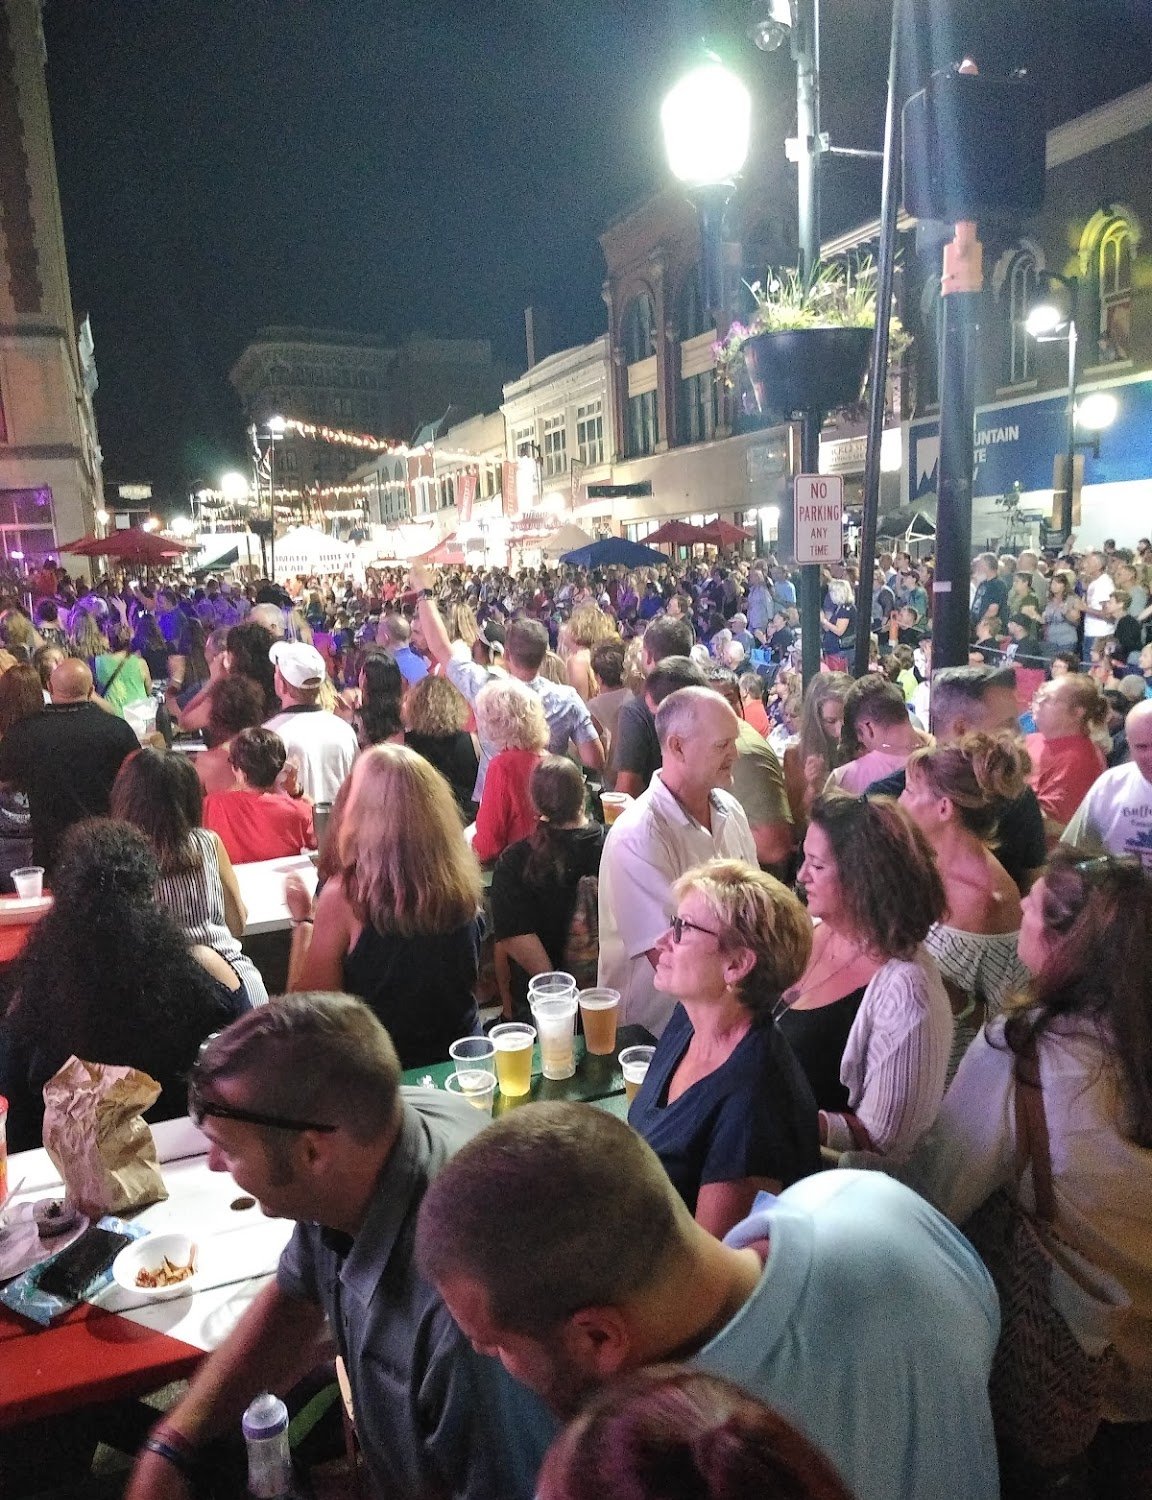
x=201 y=1109
x=680 y=925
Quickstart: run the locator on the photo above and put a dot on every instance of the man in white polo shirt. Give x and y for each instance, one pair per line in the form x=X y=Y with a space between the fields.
x=683 y=819
x=1116 y=815
x=322 y=745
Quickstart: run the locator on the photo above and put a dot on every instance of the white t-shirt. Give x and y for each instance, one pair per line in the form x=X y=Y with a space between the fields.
x=323 y=745
x=1115 y=817
x=1097 y=593
x=651 y=844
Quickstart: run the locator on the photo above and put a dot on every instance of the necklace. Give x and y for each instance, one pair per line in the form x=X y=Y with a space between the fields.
x=790 y=996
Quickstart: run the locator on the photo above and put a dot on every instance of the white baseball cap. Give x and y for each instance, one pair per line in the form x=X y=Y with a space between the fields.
x=299 y=664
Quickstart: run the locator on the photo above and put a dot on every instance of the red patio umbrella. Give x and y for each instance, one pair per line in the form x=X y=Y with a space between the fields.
x=446 y=554
x=676 y=534
x=130 y=545
x=724 y=534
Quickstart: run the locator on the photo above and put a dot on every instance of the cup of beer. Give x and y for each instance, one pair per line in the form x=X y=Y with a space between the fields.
x=473 y=1054
x=478 y=1088
x=555 y=1017
x=613 y=804
x=513 y=1041
x=599 y=1009
x=634 y=1063
x=551 y=986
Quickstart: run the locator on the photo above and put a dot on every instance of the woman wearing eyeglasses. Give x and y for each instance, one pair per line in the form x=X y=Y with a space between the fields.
x=1087 y=938
x=724 y=1104
x=107 y=976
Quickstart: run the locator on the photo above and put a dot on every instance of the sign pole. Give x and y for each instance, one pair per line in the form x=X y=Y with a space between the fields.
x=819 y=533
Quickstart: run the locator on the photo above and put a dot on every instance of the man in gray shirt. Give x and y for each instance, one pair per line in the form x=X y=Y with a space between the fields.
x=300 y=1101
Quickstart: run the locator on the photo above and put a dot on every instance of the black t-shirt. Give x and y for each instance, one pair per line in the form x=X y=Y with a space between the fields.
x=781 y=641
x=637 y=748
x=66 y=758
x=1020 y=844
x=454 y=756
x=754 y=1116
x=520 y=906
x=990 y=591
x=1128 y=637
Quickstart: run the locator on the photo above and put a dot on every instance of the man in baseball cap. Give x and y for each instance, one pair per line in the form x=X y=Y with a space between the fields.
x=322 y=745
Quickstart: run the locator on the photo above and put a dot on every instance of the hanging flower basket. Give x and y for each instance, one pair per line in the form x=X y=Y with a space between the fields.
x=796 y=370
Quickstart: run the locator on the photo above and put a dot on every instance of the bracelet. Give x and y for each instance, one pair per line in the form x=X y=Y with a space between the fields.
x=183 y=1462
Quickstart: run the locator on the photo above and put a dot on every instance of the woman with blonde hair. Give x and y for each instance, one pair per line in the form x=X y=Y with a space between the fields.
x=398 y=923
x=955 y=795
x=435 y=713
x=510 y=718
x=808 y=763
x=725 y=1105
x=585 y=628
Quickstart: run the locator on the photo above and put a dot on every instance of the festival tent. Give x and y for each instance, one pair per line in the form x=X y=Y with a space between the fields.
x=613 y=550
x=302 y=549
x=567 y=539
x=131 y=545
x=447 y=553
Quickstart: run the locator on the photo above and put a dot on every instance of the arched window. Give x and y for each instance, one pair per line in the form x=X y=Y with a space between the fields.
x=691 y=314
x=1020 y=287
x=638 y=330
x=1113 y=274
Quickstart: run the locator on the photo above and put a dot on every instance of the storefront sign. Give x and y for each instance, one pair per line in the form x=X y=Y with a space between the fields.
x=819 y=518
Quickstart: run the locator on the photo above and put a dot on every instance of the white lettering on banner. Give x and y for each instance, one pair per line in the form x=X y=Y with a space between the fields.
x=819 y=500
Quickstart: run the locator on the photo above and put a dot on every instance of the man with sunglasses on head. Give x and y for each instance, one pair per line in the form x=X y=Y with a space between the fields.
x=300 y=1102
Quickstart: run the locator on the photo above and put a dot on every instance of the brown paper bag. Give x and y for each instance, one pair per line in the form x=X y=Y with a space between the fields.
x=94 y=1133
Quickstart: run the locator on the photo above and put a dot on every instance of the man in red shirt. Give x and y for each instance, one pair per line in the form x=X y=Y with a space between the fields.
x=253 y=819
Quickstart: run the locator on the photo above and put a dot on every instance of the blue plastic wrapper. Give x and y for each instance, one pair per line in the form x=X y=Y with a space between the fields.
x=23 y=1295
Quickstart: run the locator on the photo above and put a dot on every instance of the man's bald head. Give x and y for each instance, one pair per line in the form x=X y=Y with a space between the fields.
x=71 y=681
x=1138 y=732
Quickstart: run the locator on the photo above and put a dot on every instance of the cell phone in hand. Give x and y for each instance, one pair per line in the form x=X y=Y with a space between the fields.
x=74 y=1270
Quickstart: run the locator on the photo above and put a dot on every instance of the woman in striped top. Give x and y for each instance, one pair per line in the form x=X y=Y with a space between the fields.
x=160 y=793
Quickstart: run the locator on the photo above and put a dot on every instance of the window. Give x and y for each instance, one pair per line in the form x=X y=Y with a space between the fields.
x=638 y=330
x=1021 y=347
x=692 y=315
x=288 y=460
x=447 y=492
x=699 y=407
x=590 y=434
x=524 y=440
x=1113 y=271
x=27 y=525
x=555 y=445
x=344 y=409
x=643 y=425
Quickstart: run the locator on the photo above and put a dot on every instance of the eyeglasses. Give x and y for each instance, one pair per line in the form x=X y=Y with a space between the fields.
x=201 y=1109
x=1102 y=864
x=681 y=924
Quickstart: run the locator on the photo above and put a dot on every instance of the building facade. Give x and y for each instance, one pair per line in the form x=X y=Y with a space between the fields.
x=50 y=461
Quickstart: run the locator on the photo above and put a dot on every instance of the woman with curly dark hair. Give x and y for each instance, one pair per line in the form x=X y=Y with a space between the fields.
x=378 y=719
x=107 y=976
x=869 y=1019
x=246 y=655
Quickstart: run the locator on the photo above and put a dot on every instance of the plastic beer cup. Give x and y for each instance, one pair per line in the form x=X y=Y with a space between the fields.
x=634 y=1064
x=29 y=882
x=599 y=1009
x=613 y=804
x=551 y=986
x=478 y=1087
x=555 y=1018
x=473 y=1054
x=513 y=1042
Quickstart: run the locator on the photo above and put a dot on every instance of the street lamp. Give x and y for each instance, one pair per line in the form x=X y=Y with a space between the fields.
x=276 y=426
x=1052 y=320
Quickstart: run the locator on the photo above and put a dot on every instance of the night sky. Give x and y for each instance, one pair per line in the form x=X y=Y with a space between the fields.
x=386 y=167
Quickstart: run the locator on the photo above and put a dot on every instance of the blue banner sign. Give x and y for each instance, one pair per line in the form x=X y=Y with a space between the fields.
x=1017 y=441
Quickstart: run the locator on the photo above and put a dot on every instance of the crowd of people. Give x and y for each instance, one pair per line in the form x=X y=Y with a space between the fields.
x=857 y=922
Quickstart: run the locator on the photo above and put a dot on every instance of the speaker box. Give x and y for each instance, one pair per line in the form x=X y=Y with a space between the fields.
x=974 y=148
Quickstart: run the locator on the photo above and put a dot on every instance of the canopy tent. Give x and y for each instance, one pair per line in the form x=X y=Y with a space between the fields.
x=302 y=549
x=723 y=534
x=910 y=522
x=131 y=545
x=447 y=553
x=676 y=534
x=569 y=538
x=613 y=550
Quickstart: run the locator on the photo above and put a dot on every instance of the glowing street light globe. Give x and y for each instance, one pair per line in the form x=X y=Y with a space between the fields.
x=233 y=486
x=276 y=426
x=707 y=120
x=1097 y=411
x=182 y=526
x=1044 y=318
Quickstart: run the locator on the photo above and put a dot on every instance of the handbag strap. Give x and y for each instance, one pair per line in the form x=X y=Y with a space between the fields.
x=1032 y=1144
x=120 y=667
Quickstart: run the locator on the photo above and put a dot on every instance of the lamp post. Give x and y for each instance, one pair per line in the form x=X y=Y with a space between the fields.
x=1051 y=323
x=276 y=426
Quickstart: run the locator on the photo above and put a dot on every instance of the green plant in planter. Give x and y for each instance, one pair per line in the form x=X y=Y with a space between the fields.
x=834 y=296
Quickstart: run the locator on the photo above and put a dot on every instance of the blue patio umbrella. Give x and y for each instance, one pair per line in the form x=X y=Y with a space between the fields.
x=615 y=550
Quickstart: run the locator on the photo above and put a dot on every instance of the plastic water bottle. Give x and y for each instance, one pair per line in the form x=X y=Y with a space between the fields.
x=266 y=1438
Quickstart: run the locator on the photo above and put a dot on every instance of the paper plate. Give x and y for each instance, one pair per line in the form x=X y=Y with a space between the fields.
x=21 y=1245
x=15 y=911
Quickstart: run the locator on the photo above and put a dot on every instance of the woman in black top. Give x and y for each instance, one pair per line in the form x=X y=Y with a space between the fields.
x=397 y=924
x=725 y=1105
x=535 y=884
x=107 y=976
x=435 y=714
